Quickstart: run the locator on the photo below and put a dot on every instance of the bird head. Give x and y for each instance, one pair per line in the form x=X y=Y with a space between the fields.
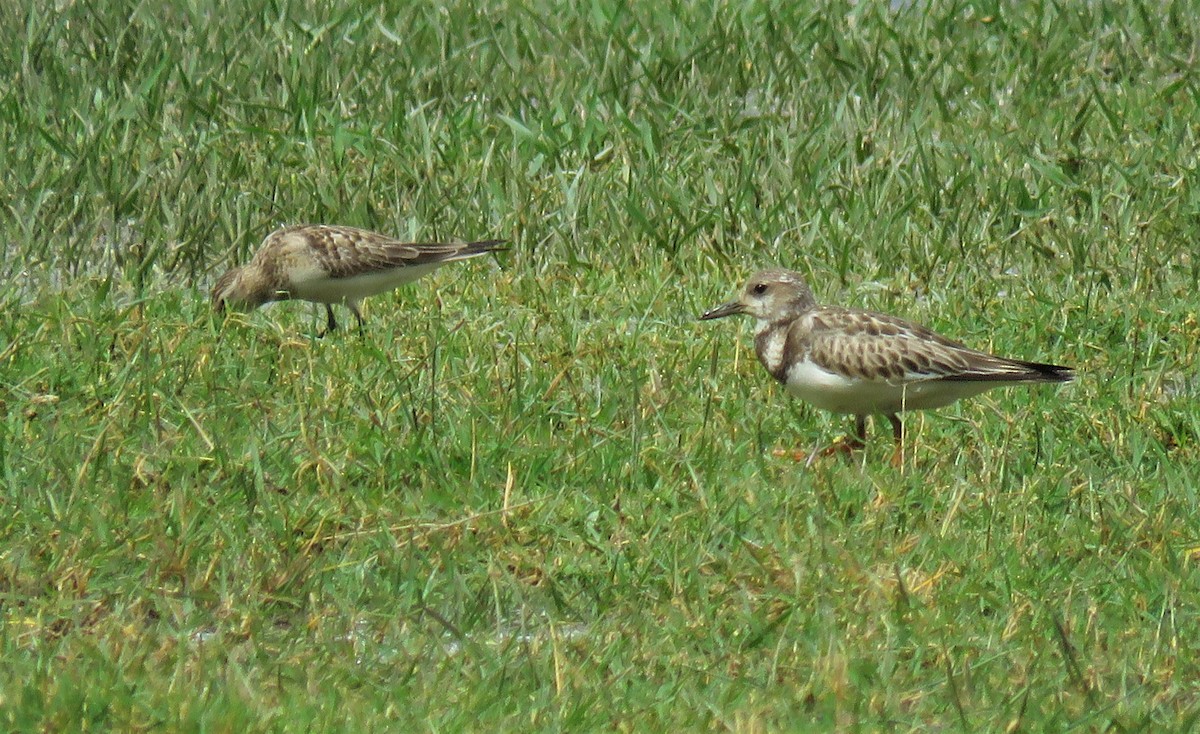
x=770 y=295
x=238 y=288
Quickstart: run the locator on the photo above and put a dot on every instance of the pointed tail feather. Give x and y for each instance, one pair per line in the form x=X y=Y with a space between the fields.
x=1000 y=369
x=471 y=249
x=1041 y=372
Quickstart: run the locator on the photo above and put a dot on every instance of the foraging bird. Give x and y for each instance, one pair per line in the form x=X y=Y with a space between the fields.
x=329 y=264
x=851 y=361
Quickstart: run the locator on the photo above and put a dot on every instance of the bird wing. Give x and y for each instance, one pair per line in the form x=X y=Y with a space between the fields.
x=880 y=348
x=344 y=252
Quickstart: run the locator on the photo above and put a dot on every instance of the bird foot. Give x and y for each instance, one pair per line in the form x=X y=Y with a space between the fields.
x=796 y=455
x=844 y=446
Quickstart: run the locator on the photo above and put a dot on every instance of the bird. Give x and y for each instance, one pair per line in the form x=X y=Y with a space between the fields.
x=331 y=264
x=857 y=362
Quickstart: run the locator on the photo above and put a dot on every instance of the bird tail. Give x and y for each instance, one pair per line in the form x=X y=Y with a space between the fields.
x=990 y=368
x=1000 y=369
x=1041 y=372
x=471 y=249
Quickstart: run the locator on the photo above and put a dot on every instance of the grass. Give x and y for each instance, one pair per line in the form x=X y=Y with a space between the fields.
x=537 y=494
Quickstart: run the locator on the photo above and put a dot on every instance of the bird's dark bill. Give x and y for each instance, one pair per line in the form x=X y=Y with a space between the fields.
x=728 y=309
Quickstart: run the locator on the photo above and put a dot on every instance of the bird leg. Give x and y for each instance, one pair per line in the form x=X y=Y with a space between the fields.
x=846 y=445
x=898 y=436
x=330 y=322
x=357 y=314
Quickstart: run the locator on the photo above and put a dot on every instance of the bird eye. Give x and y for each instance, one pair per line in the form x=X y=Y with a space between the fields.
x=759 y=289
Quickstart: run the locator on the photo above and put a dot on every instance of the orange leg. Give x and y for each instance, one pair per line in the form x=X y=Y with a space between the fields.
x=846 y=445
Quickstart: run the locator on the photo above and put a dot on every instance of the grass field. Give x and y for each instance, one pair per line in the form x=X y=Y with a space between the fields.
x=537 y=494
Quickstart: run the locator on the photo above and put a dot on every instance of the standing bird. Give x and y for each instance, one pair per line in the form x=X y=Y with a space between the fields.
x=329 y=264
x=849 y=361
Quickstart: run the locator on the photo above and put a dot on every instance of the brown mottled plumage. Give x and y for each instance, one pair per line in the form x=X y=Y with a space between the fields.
x=850 y=361
x=329 y=264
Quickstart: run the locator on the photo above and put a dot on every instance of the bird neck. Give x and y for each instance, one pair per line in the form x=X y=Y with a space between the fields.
x=770 y=343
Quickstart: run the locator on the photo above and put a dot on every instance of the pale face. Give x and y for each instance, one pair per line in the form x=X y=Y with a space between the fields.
x=771 y=295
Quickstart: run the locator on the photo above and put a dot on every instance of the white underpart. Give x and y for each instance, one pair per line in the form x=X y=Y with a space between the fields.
x=313 y=284
x=841 y=394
